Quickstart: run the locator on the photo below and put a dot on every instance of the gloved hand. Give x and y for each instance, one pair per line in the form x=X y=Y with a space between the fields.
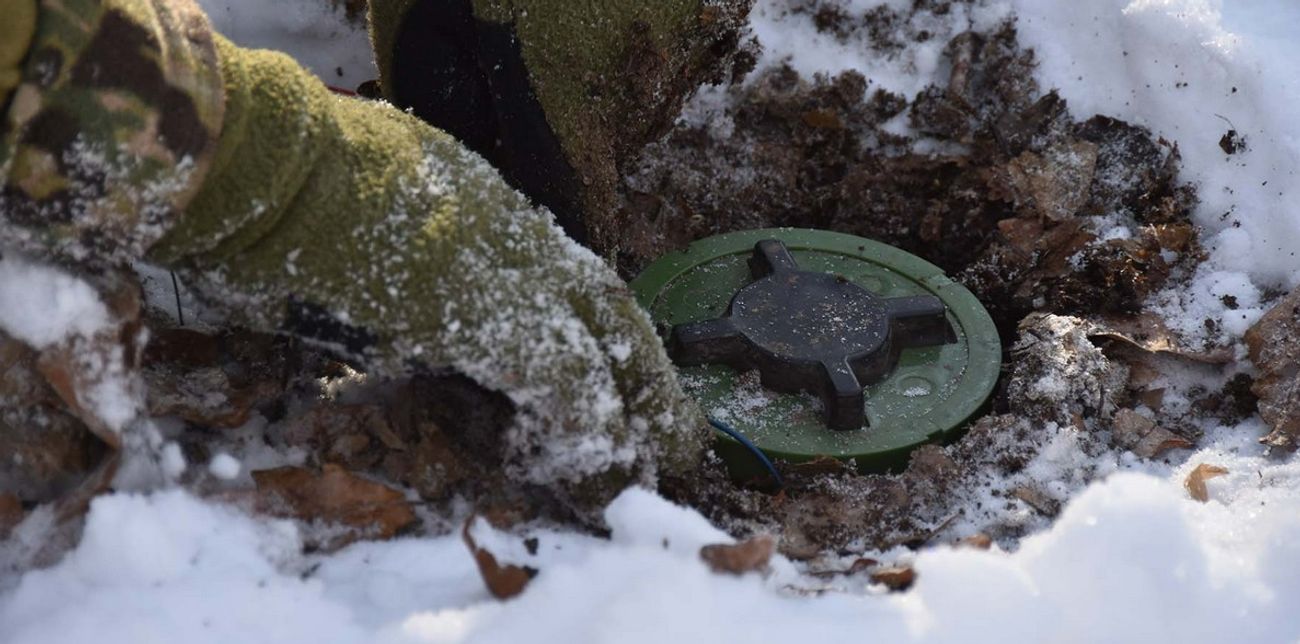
x=355 y=224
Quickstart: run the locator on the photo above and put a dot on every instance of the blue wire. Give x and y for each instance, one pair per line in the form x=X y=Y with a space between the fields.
x=758 y=453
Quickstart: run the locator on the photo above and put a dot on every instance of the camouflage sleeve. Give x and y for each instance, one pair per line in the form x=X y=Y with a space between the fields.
x=111 y=127
x=15 y=37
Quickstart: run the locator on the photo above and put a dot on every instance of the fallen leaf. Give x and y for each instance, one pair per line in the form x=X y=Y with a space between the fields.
x=1174 y=237
x=78 y=368
x=1154 y=399
x=1142 y=436
x=503 y=582
x=11 y=513
x=896 y=578
x=1273 y=344
x=750 y=555
x=337 y=496
x=1053 y=185
x=1148 y=332
x=1037 y=500
x=44 y=449
x=862 y=564
x=1195 y=482
x=76 y=503
x=978 y=541
x=823 y=119
x=1021 y=233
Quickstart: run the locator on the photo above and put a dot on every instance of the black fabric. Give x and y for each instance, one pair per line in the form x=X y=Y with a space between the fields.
x=468 y=77
x=313 y=322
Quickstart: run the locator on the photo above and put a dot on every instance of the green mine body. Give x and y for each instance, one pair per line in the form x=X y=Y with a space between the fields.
x=927 y=395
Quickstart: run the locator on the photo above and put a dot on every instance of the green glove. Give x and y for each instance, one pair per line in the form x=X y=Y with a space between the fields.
x=355 y=224
x=362 y=212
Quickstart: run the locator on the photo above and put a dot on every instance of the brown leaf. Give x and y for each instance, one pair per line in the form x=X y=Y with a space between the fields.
x=11 y=513
x=336 y=496
x=1148 y=332
x=1053 y=185
x=1021 y=233
x=503 y=582
x=44 y=449
x=750 y=555
x=862 y=564
x=1175 y=237
x=76 y=503
x=1273 y=344
x=1195 y=482
x=1142 y=436
x=1154 y=399
x=896 y=578
x=823 y=119
x=78 y=366
x=978 y=541
x=1037 y=500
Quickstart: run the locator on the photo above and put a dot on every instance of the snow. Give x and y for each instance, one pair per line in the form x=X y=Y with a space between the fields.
x=1130 y=558
x=791 y=36
x=315 y=32
x=1191 y=70
x=224 y=466
x=43 y=305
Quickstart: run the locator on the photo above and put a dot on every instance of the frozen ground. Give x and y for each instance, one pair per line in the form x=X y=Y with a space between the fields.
x=1131 y=558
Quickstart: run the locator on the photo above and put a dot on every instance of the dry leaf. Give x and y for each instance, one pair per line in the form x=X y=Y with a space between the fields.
x=336 y=496
x=11 y=513
x=1053 y=185
x=1037 y=500
x=503 y=582
x=823 y=119
x=978 y=541
x=1195 y=482
x=1142 y=436
x=1274 y=346
x=78 y=367
x=895 y=577
x=1148 y=332
x=749 y=555
x=1154 y=399
x=1021 y=234
x=76 y=503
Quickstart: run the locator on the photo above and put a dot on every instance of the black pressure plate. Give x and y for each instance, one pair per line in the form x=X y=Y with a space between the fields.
x=813 y=332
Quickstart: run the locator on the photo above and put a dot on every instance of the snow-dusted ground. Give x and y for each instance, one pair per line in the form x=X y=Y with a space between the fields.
x=1131 y=558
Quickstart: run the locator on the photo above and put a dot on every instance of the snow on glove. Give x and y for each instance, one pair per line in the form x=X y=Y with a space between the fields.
x=358 y=225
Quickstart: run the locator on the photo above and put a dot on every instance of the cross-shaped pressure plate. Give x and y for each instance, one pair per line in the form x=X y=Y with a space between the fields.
x=813 y=332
